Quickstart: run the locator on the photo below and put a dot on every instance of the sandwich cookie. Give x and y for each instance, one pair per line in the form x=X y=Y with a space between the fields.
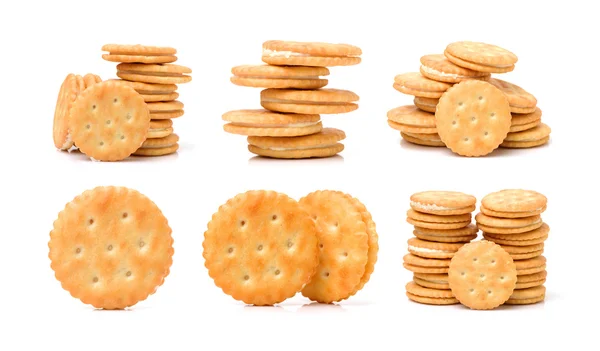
x=524 y=121
x=166 y=73
x=138 y=53
x=482 y=275
x=460 y=235
x=520 y=101
x=521 y=239
x=423 y=139
x=268 y=123
x=261 y=247
x=415 y=84
x=280 y=77
x=343 y=246
x=433 y=281
x=291 y=53
x=481 y=57
x=169 y=106
x=431 y=218
x=410 y=119
x=536 y=136
x=439 y=68
x=426 y=104
x=166 y=114
x=71 y=87
x=109 y=121
x=443 y=202
x=473 y=118
x=148 y=88
x=524 y=252
x=160 y=128
x=531 y=280
x=495 y=225
x=514 y=201
x=429 y=249
x=431 y=225
x=527 y=296
x=111 y=247
x=159 y=147
x=531 y=265
x=321 y=101
x=417 y=264
x=91 y=79
x=322 y=144
x=160 y=97
x=429 y=296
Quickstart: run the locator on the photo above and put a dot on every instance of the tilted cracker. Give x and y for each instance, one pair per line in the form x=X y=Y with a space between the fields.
x=111 y=247
x=444 y=239
x=517 y=96
x=160 y=97
x=138 y=49
x=418 y=290
x=524 y=144
x=511 y=214
x=426 y=217
x=526 y=118
x=159 y=133
x=429 y=249
x=280 y=77
x=473 y=118
x=482 y=275
x=71 y=87
x=290 y=131
x=415 y=81
x=433 y=281
x=167 y=73
x=269 y=123
x=409 y=129
x=530 y=266
x=157 y=143
x=431 y=225
x=432 y=300
x=538 y=133
x=439 y=68
x=109 y=121
x=481 y=57
x=426 y=137
x=522 y=127
x=542 y=231
x=343 y=244
x=139 y=58
x=261 y=247
x=471 y=229
x=513 y=230
x=148 y=88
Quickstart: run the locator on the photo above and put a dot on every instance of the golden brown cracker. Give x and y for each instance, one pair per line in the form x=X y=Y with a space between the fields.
x=442 y=202
x=527 y=296
x=321 y=101
x=517 y=96
x=159 y=151
x=421 y=141
x=426 y=217
x=279 y=77
x=160 y=97
x=429 y=249
x=411 y=116
x=291 y=53
x=439 y=68
x=71 y=87
x=514 y=200
x=431 y=225
x=433 y=281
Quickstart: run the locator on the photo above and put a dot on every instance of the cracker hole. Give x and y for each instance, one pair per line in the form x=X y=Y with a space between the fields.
x=115 y=100
x=93 y=107
x=274 y=217
x=493 y=261
x=486 y=133
x=246 y=277
x=142 y=244
x=101 y=143
x=321 y=246
x=78 y=250
x=242 y=223
x=337 y=224
x=230 y=250
x=109 y=247
x=475 y=259
x=91 y=221
x=259 y=248
x=88 y=126
x=124 y=215
x=345 y=254
x=122 y=137
x=95 y=280
x=482 y=275
x=466 y=139
x=128 y=273
x=460 y=103
x=129 y=116
x=489 y=292
x=290 y=244
x=315 y=217
x=108 y=121
x=493 y=115
x=501 y=277
x=473 y=119
x=462 y=273
x=480 y=98
x=326 y=274
x=472 y=290
x=453 y=123
x=277 y=272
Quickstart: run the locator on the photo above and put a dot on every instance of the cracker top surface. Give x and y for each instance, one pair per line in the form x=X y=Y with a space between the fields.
x=313 y=48
x=473 y=118
x=482 y=275
x=517 y=96
x=343 y=246
x=111 y=247
x=263 y=116
x=440 y=63
x=416 y=81
x=261 y=247
x=444 y=199
x=137 y=49
x=514 y=200
x=109 y=121
x=482 y=53
x=270 y=71
x=327 y=136
x=412 y=115
x=319 y=95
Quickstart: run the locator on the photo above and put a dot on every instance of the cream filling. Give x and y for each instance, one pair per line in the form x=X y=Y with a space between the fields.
x=514 y=227
x=157 y=146
x=158 y=130
x=68 y=141
x=154 y=74
x=435 y=281
x=289 y=125
x=295 y=148
x=286 y=54
x=441 y=74
x=280 y=101
x=425 y=250
x=433 y=207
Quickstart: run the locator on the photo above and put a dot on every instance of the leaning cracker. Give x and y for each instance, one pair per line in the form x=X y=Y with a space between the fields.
x=481 y=57
x=109 y=121
x=473 y=118
x=438 y=67
x=343 y=243
x=517 y=96
x=111 y=247
x=261 y=247
x=426 y=217
x=69 y=90
x=482 y=275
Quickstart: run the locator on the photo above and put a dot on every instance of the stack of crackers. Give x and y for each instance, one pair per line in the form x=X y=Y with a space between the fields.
x=505 y=267
x=111 y=120
x=512 y=219
x=150 y=71
x=294 y=97
x=457 y=103
x=263 y=247
x=442 y=225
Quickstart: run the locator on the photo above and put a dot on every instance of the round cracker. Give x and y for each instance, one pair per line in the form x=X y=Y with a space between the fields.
x=522 y=127
x=408 y=129
x=438 y=67
x=321 y=101
x=499 y=222
x=511 y=214
x=426 y=217
x=343 y=244
x=160 y=97
x=439 y=202
x=429 y=249
x=538 y=133
x=434 y=281
x=526 y=118
x=67 y=95
x=431 y=301
x=320 y=152
x=164 y=106
x=163 y=151
x=411 y=115
x=159 y=133
x=415 y=81
x=514 y=200
x=111 y=247
x=527 y=296
x=313 y=48
x=418 y=290
x=166 y=114
x=426 y=104
x=290 y=131
x=482 y=275
x=482 y=53
x=328 y=136
x=473 y=118
x=420 y=141
x=138 y=49
x=280 y=77
x=261 y=247
x=524 y=144
x=145 y=78
x=109 y=121
x=514 y=230
x=139 y=58
x=517 y=96
x=477 y=67
x=148 y=88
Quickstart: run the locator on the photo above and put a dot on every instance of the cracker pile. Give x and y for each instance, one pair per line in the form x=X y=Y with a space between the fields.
x=150 y=71
x=111 y=120
x=442 y=225
x=263 y=247
x=111 y=247
x=289 y=125
x=505 y=267
x=459 y=105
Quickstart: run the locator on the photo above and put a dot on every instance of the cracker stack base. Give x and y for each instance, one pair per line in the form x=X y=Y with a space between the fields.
x=457 y=103
x=289 y=125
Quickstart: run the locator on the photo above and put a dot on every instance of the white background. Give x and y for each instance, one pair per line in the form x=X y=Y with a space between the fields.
x=43 y=41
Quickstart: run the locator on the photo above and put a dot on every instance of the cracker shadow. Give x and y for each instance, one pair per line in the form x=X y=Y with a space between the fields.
x=81 y=157
x=499 y=152
x=256 y=160
x=263 y=309
x=315 y=307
